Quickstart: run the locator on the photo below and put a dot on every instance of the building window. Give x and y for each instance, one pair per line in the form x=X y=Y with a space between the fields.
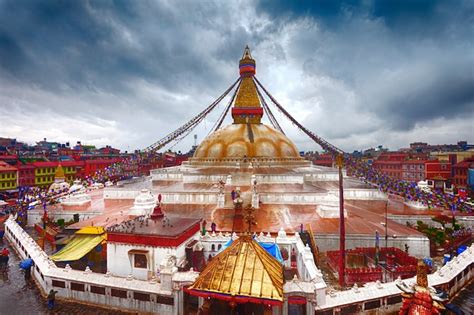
x=77 y=286
x=139 y=261
x=59 y=284
x=119 y=293
x=97 y=290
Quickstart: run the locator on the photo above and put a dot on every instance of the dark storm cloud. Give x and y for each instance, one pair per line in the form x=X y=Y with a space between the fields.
x=445 y=92
x=408 y=61
x=85 y=44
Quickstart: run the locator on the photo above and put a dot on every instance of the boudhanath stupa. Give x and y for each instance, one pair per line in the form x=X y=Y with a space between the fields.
x=265 y=166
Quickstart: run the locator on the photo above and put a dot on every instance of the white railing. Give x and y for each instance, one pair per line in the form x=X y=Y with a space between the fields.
x=280 y=179
x=87 y=286
x=457 y=273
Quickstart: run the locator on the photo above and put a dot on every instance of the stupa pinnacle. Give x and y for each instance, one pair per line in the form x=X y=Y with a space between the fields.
x=247 y=108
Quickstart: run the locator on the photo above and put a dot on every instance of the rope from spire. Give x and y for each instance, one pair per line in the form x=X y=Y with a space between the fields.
x=190 y=124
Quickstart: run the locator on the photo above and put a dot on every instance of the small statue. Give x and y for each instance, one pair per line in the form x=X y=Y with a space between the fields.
x=420 y=298
x=221 y=186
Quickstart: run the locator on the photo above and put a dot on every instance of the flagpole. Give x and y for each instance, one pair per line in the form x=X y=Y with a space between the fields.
x=342 y=230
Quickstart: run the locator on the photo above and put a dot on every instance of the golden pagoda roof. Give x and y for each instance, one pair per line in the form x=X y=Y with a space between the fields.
x=59 y=172
x=243 y=269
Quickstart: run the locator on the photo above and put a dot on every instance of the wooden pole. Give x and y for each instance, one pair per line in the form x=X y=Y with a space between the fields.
x=342 y=229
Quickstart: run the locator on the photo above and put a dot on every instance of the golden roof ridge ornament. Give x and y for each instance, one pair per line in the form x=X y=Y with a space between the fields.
x=244 y=269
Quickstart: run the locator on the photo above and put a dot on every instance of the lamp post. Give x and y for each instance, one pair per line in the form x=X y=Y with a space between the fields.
x=342 y=230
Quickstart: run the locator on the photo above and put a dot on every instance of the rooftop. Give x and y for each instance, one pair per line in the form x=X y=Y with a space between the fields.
x=164 y=227
x=5 y=167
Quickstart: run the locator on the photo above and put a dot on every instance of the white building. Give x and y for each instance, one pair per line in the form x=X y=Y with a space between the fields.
x=137 y=247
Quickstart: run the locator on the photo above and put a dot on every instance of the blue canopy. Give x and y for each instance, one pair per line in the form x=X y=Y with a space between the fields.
x=26 y=263
x=271 y=248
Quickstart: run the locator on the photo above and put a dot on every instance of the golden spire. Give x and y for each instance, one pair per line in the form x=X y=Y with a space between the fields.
x=247 y=107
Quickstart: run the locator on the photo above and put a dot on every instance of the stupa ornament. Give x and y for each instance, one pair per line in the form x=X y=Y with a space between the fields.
x=420 y=298
x=144 y=203
x=60 y=183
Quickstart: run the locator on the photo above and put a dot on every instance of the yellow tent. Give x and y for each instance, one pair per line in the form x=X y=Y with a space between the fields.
x=85 y=240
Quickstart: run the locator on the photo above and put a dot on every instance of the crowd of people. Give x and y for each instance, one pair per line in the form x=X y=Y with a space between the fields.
x=408 y=190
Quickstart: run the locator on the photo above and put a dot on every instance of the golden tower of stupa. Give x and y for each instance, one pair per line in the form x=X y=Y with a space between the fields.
x=247 y=136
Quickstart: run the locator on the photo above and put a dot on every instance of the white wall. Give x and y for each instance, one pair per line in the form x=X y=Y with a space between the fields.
x=120 y=263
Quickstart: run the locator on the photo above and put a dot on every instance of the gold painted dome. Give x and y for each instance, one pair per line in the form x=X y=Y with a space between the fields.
x=250 y=140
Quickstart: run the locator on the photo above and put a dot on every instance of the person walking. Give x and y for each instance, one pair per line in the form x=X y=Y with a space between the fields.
x=51 y=298
x=4 y=257
x=28 y=273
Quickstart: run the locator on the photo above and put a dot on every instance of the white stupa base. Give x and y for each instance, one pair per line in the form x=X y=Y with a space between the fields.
x=144 y=203
x=76 y=200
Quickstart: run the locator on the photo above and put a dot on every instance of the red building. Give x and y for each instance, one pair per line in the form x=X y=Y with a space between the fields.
x=92 y=166
x=26 y=175
x=390 y=163
x=435 y=168
x=323 y=160
x=460 y=171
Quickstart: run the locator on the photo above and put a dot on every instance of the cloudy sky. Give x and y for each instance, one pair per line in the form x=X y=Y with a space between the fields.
x=125 y=73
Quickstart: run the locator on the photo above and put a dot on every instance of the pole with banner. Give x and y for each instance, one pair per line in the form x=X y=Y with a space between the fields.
x=342 y=230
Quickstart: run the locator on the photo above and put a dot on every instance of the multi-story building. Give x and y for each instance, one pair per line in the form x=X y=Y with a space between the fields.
x=461 y=171
x=92 y=166
x=8 y=177
x=26 y=174
x=390 y=163
x=453 y=156
x=413 y=170
x=73 y=169
x=44 y=173
x=435 y=168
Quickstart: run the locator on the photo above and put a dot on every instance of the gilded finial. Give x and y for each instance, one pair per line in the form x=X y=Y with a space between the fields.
x=247 y=108
x=340 y=160
x=247 y=54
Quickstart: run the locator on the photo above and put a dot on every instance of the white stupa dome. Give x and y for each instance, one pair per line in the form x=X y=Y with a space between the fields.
x=144 y=203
